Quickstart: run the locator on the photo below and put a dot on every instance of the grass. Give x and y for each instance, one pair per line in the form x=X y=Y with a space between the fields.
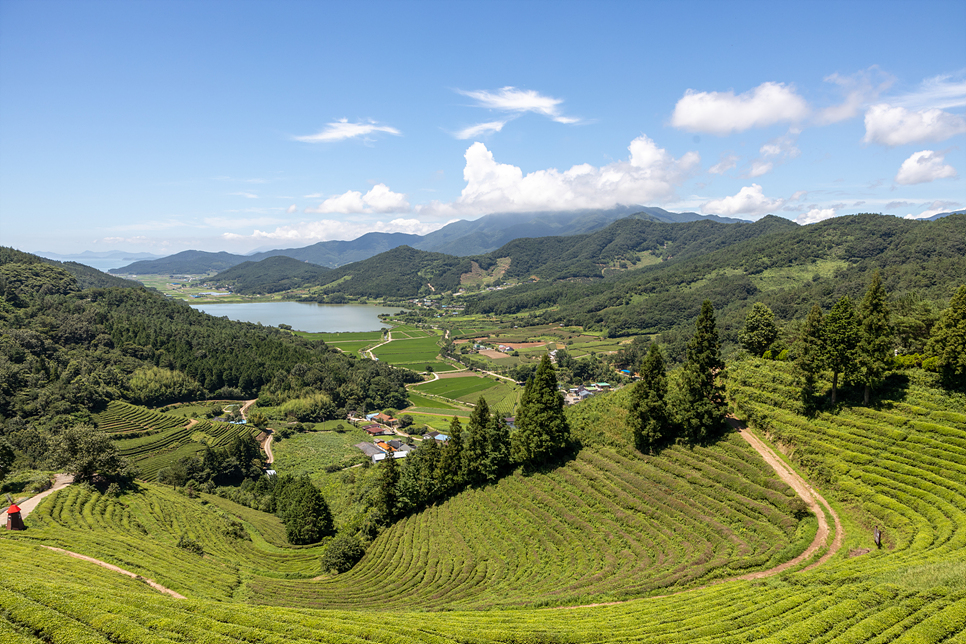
x=422 y=350
x=425 y=401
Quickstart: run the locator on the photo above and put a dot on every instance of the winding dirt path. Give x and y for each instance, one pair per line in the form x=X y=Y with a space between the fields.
x=104 y=564
x=267 y=446
x=804 y=491
x=60 y=482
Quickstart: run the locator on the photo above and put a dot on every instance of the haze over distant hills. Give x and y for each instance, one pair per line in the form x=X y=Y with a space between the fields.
x=461 y=238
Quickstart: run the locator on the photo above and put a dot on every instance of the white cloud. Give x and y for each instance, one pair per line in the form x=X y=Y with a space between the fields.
x=815 y=215
x=511 y=99
x=292 y=209
x=893 y=126
x=924 y=166
x=723 y=112
x=725 y=164
x=649 y=175
x=342 y=129
x=860 y=90
x=934 y=208
x=333 y=229
x=247 y=195
x=483 y=128
x=379 y=199
x=749 y=201
x=759 y=168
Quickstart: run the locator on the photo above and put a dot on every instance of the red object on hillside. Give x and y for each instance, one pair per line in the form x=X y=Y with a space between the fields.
x=14 y=520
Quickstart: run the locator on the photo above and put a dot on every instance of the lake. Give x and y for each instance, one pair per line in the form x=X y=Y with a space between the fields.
x=303 y=316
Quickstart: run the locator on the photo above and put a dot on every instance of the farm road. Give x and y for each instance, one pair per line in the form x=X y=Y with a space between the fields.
x=60 y=482
x=804 y=491
x=267 y=444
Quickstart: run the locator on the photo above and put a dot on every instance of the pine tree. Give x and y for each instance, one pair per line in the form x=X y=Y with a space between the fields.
x=840 y=332
x=474 y=444
x=542 y=429
x=760 y=330
x=648 y=419
x=948 y=342
x=703 y=410
x=875 y=340
x=810 y=355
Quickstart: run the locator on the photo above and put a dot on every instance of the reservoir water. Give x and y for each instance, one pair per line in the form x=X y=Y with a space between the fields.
x=303 y=316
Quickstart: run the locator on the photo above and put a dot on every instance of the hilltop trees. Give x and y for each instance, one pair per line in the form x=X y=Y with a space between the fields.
x=701 y=404
x=542 y=429
x=875 y=337
x=840 y=333
x=91 y=456
x=948 y=341
x=648 y=418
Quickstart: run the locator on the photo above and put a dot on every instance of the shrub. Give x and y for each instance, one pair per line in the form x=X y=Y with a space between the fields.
x=189 y=544
x=343 y=553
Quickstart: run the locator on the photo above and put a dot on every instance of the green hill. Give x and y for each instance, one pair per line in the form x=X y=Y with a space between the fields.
x=269 y=275
x=899 y=466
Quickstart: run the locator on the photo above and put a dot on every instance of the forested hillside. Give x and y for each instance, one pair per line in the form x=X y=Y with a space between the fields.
x=269 y=275
x=65 y=352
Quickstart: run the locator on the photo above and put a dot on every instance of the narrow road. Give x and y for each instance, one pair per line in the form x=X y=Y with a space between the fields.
x=387 y=341
x=804 y=491
x=267 y=446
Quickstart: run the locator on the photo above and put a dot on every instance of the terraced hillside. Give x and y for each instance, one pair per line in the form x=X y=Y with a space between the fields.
x=898 y=466
x=152 y=440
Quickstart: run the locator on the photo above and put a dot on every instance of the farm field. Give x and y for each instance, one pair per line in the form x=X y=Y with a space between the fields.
x=312 y=452
x=427 y=402
x=898 y=465
x=457 y=388
x=418 y=352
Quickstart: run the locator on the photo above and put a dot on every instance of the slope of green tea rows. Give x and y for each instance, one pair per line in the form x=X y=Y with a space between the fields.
x=902 y=466
x=51 y=598
x=151 y=440
x=607 y=525
x=140 y=532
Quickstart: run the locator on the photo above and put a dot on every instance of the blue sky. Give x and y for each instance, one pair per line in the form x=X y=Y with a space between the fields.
x=163 y=126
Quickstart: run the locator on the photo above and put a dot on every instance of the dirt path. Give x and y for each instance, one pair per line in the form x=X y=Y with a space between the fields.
x=387 y=341
x=244 y=408
x=60 y=482
x=804 y=491
x=267 y=446
x=104 y=564
x=26 y=507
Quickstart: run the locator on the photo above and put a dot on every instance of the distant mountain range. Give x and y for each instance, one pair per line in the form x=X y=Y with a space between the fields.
x=461 y=238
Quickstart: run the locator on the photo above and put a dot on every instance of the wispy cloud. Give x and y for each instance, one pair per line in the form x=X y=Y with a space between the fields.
x=247 y=195
x=726 y=163
x=511 y=99
x=722 y=113
x=341 y=130
x=860 y=89
x=480 y=129
x=934 y=208
x=942 y=92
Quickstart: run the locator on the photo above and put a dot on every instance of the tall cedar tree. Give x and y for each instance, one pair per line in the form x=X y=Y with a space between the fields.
x=387 y=498
x=497 y=458
x=810 y=355
x=760 y=330
x=649 y=419
x=875 y=340
x=703 y=413
x=474 y=444
x=542 y=429
x=450 y=465
x=948 y=342
x=840 y=333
